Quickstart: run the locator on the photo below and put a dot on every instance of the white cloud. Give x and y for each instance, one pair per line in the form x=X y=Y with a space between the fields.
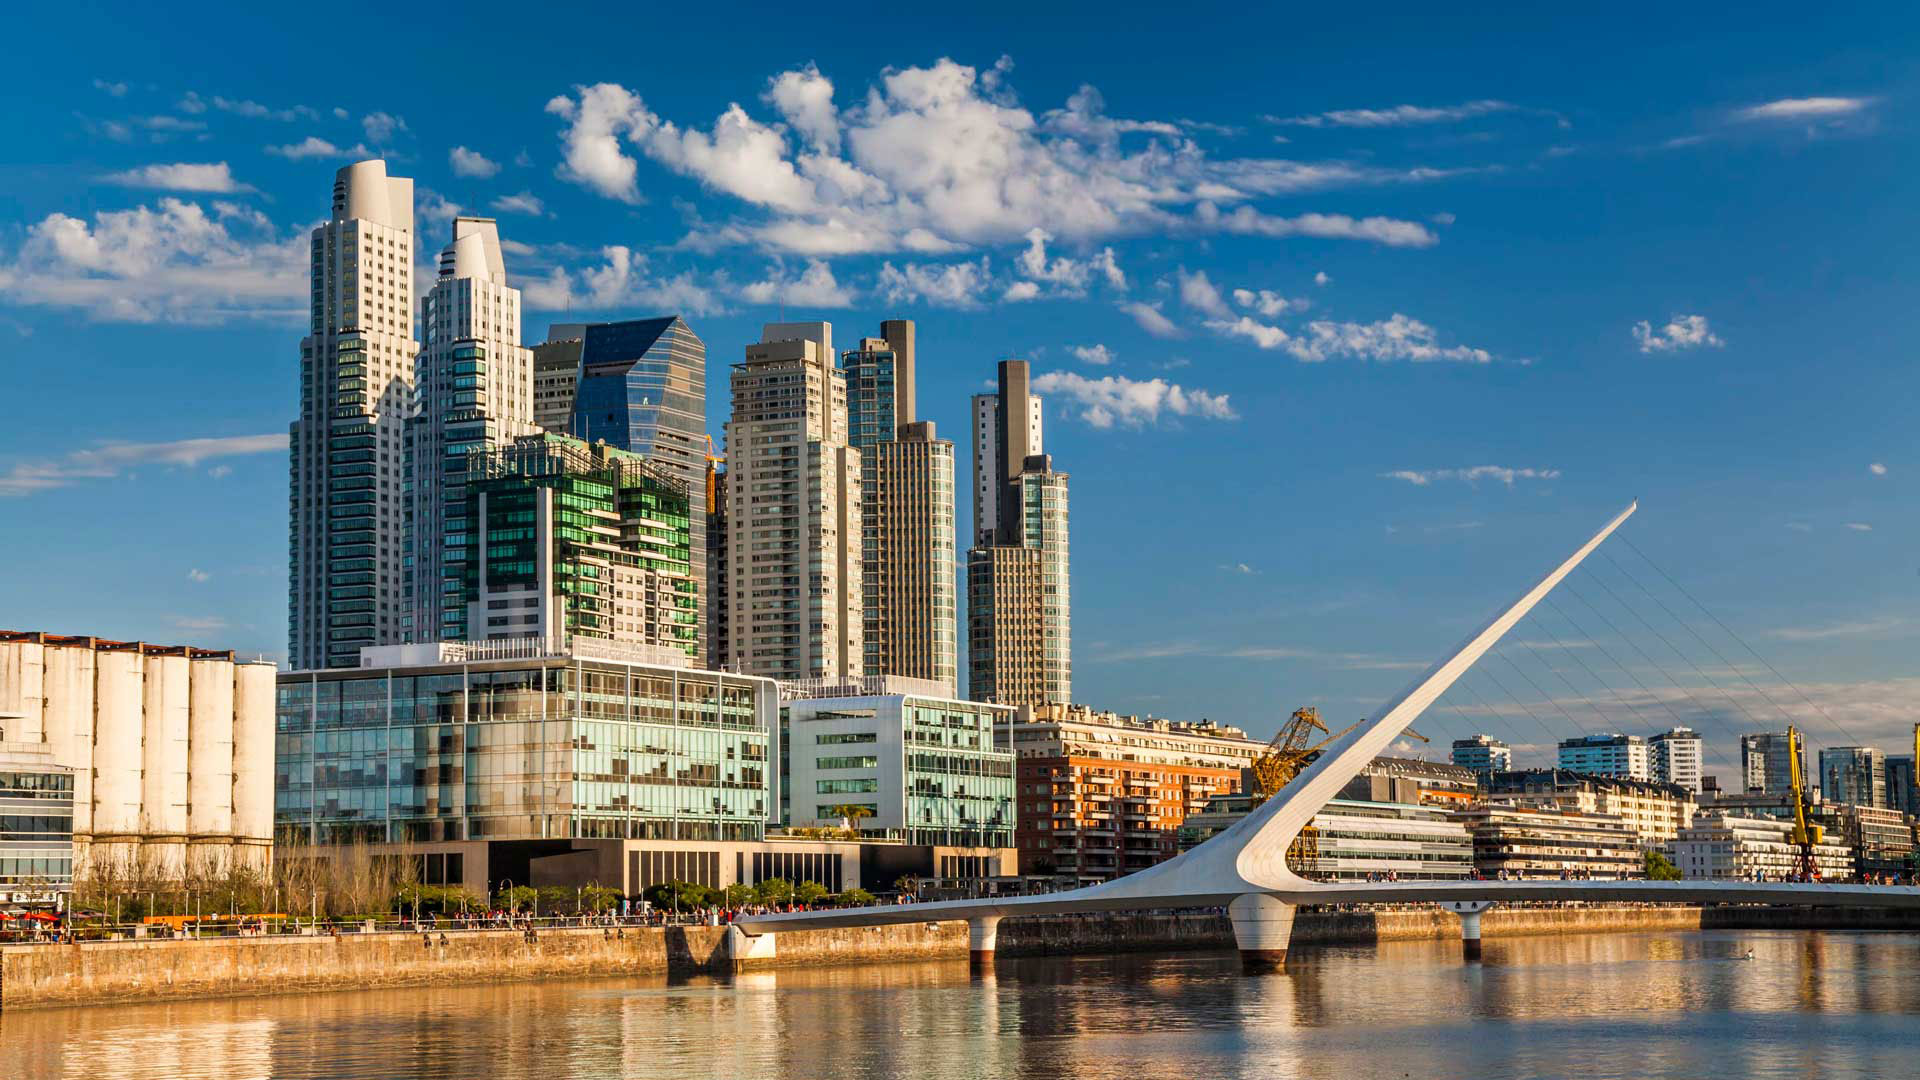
x=176 y=263
x=523 y=203
x=1681 y=332
x=105 y=462
x=1321 y=278
x=943 y=158
x=1092 y=355
x=1068 y=276
x=113 y=89
x=1116 y=399
x=805 y=99
x=1505 y=475
x=433 y=208
x=1808 y=108
x=251 y=109
x=1877 y=469
x=1245 y=220
x=471 y=163
x=1261 y=334
x=1859 y=526
x=1239 y=568
x=381 y=127
x=1021 y=290
x=215 y=178
x=1860 y=628
x=1397 y=338
x=220 y=472
x=1150 y=318
x=1202 y=295
x=623 y=279
x=814 y=288
x=1396 y=116
x=956 y=285
x=199 y=576
x=1265 y=301
x=197 y=623
x=1442 y=218
x=313 y=146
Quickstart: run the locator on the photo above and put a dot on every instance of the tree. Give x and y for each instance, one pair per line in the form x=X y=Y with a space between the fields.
x=599 y=898
x=774 y=890
x=851 y=813
x=517 y=898
x=906 y=883
x=678 y=895
x=1660 y=868
x=740 y=894
x=809 y=892
x=855 y=898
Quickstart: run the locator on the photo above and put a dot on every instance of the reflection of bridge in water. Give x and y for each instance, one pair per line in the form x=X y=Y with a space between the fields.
x=1244 y=868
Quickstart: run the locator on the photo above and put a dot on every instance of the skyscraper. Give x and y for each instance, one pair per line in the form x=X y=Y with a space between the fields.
x=1482 y=754
x=346 y=508
x=1019 y=609
x=1856 y=775
x=1608 y=755
x=1676 y=757
x=642 y=387
x=793 y=513
x=568 y=540
x=473 y=391
x=907 y=536
x=1765 y=764
x=556 y=378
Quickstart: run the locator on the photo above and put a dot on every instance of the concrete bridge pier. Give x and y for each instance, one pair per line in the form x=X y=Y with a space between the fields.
x=982 y=932
x=1262 y=926
x=744 y=949
x=1469 y=912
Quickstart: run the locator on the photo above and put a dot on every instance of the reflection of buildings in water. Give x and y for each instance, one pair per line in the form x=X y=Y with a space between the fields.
x=198 y=1038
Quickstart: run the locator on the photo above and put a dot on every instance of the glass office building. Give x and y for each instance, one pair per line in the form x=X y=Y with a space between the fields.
x=36 y=828
x=466 y=741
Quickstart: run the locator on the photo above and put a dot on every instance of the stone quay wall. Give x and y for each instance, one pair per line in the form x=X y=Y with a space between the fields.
x=94 y=973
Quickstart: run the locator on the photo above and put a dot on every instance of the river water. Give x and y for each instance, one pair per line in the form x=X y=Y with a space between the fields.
x=1624 y=1005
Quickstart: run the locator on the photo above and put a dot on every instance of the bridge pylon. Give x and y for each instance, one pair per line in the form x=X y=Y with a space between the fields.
x=1262 y=926
x=983 y=933
x=1469 y=912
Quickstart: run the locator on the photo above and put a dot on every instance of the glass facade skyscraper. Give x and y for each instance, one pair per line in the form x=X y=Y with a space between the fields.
x=642 y=387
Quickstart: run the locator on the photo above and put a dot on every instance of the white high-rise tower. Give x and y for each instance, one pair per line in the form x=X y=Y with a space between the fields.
x=346 y=510
x=473 y=391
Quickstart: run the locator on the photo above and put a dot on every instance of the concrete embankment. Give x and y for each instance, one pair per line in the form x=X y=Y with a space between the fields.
x=112 y=971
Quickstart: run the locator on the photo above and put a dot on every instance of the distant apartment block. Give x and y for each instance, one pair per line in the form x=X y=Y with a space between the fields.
x=1482 y=754
x=1608 y=755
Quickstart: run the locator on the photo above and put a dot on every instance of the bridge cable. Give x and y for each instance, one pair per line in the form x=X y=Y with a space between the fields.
x=1537 y=689
x=1577 y=692
x=1551 y=737
x=1500 y=721
x=1743 y=644
x=1668 y=642
x=1657 y=699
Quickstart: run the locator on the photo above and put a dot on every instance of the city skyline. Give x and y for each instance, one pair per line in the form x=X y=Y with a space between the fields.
x=1342 y=550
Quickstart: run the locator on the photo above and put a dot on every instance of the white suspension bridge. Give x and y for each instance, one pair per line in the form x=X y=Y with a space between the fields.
x=1244 y=868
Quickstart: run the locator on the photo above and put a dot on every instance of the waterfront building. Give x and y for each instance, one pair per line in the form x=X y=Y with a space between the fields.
x=1019 y=601
x=1356 y=840
x=169 y=750
x=1608 y=755
x=1529 y=840
x=642 y=387
x=1854 y=774
x=569 y=540
x=556 y=382
x=1100 y=795
x=1903 y=792
x=1880 y=838
x=1676 y=757
x=1655 y=811
x=346 y=505
x=1414 y=781
x=473 y=392
x=1764 y=763
x=919 y=766
x=36 y=820
x=793 y=487
x=1721 y=845
x=1482 y=754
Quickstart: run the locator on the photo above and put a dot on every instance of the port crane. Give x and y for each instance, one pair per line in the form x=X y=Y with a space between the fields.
x=1805 y=833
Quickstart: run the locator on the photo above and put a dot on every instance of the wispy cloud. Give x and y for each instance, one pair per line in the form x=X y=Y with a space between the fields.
x=1151 y=319
x=1859 y=526
x=104 y=462
x=1681 y=332
x=1092 y=355
x=1239 y=568
x=313 y=146
x=814 y=287
x=1349 y=661
x=199 y=576
x=1879 y=627
x=1473 y=475
x=1877 y=469
x=1807 y=108
x=524 y=203
x=1395 y=116
x=215 y=178
x=471 y=163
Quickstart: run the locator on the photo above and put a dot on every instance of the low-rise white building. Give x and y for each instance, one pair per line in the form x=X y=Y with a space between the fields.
x=1727 y=847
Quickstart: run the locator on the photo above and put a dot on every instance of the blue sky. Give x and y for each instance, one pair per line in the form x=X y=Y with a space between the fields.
x=1348 y=325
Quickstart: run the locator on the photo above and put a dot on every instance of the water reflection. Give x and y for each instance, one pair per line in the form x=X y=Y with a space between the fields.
x=1584 y=1006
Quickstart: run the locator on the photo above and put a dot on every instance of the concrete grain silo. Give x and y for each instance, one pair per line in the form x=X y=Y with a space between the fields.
x=210 y=766
x=253 y=719
x=163 y=778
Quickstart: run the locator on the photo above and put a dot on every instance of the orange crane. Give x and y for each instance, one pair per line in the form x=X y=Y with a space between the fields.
x=713 y=481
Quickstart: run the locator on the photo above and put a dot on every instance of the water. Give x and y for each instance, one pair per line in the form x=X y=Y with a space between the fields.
x=1629 y=1005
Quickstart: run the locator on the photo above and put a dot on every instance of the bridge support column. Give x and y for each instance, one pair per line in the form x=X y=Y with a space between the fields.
x=1262 y=925
x=746 y=949
x=1469 y=912
x=982 y=933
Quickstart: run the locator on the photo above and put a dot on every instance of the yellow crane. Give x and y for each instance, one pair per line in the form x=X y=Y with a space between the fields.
x=1292 y=749
x=1805 y=833
x=713 y=482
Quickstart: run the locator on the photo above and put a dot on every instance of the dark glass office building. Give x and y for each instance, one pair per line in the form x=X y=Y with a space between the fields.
x=643 y=388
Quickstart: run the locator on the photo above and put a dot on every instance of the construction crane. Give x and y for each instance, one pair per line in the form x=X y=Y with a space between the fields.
x=713 y=480
x=1806 y=834
x=1289 y=752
